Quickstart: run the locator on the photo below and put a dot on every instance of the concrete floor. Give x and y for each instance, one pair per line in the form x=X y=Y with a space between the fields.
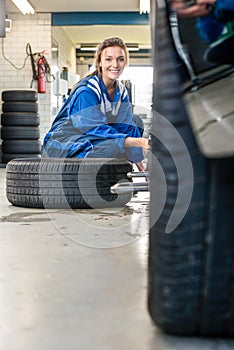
x=77 y=280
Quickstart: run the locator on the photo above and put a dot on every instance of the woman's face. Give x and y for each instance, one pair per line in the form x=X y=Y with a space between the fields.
x=113 y=61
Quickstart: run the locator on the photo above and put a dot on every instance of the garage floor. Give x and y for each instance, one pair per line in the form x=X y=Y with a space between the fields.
x=77 y=280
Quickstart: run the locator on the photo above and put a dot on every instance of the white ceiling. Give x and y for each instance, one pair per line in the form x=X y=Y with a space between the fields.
x=80 y=5
x=95 y=34
x=81 y=34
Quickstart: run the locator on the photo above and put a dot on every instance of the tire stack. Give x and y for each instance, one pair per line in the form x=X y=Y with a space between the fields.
x=20 y=121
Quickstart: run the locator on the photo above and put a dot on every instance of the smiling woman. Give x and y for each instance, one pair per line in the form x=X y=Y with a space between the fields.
x=97 y=121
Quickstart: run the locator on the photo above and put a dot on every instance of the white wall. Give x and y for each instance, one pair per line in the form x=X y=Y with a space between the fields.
x=37 y=31
x=67 y=52
x=66 y=58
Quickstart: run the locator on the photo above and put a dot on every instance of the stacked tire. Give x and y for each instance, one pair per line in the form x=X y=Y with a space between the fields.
x=20 y=121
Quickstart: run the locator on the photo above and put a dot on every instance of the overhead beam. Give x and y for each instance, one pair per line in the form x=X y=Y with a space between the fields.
x=99 y=18
x=142 y=53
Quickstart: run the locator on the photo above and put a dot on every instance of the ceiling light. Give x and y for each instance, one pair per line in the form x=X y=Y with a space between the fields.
x=88 y=48
x=24 y=6
x=132 y=47
x=144 y=6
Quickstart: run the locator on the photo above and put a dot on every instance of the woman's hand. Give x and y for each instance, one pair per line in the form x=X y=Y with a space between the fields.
x=137 y=142
x=200 y=8
x=145 y=145
x=140 y=166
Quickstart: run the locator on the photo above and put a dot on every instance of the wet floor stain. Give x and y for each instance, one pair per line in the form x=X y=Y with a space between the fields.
x=25 y=217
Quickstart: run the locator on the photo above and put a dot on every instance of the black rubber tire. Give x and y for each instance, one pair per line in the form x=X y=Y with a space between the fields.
x=190 y=270
x=20 y=119
x=21 y=146
x=66 y=183
x=7 y=157
x=20 y=133
x=20 y=107
x=19 y=96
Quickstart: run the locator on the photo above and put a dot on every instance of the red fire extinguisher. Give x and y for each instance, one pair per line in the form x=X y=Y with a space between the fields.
x=41 y=80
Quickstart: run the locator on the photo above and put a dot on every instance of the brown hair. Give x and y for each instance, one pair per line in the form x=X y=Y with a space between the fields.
x=107 y=43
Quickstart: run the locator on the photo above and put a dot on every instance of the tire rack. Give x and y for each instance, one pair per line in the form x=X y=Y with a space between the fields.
x=20 y=121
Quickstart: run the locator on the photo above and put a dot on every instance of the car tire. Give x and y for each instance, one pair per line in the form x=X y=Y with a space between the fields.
x=7 y=157
x=190 y=270
x=21 y=146
x=20 y=133
x=20 y=107
x=20 y=119
x=66 y=183
x=19 y=96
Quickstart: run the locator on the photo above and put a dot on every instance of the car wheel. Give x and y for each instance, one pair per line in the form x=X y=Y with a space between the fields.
x=190 y=270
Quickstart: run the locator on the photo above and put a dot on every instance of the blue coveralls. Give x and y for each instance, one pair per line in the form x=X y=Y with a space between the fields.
x=90 y=124
x=211 y=26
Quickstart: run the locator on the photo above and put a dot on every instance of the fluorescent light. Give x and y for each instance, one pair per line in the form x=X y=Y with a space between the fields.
x=88 y=48
x=24 y=6
x=144 y=6
x=132 y=47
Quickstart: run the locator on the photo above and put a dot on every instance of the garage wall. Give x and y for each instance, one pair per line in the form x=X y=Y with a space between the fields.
x=64 y=57
x=66 y=50
x=37 y=31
